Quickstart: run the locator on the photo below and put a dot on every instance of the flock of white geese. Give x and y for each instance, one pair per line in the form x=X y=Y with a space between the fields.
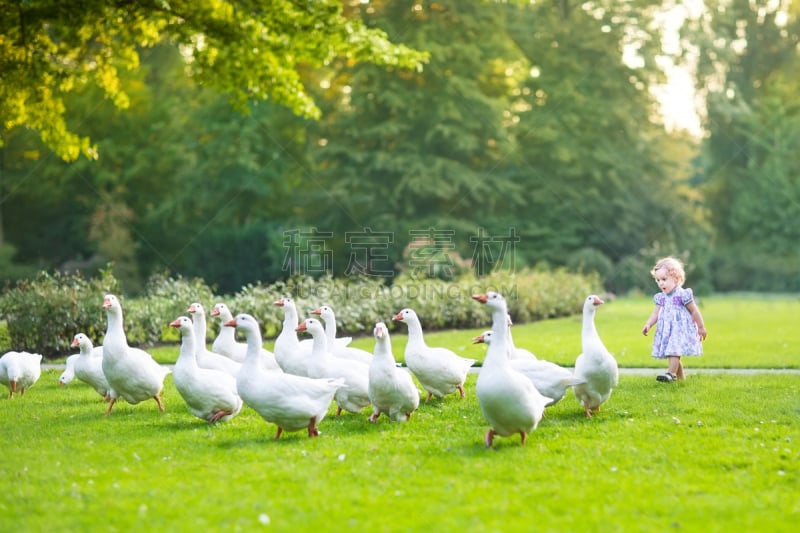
x=294 y=386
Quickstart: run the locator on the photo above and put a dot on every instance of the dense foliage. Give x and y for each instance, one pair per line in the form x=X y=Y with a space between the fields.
x=247 y=50
x=530 y=138
x=45 y=313
x=749 y=75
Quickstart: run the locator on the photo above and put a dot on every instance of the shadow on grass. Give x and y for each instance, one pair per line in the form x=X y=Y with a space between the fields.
x=266 y=438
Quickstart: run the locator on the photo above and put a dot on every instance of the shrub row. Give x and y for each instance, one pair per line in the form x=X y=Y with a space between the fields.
x=43 y=314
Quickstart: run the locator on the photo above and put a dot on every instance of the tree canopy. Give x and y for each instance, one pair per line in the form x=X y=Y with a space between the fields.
x=243 y=141
x=249 y=50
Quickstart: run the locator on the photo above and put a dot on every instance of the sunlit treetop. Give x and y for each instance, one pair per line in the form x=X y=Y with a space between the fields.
x=249 y=50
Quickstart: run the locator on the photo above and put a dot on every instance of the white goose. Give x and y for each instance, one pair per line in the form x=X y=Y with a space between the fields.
x=132 y=374
x=227 y=345
x=508 y=399
x=354 y=395
x=205 y=358
x=289 y=401
x=89 y=365
x=596 y=372
x=209 y=394
x=68 y=374
x=550 y=379
x=439 y=370
x=391 y=389
x=339 y=346
x=291 y=354
x=19 y=371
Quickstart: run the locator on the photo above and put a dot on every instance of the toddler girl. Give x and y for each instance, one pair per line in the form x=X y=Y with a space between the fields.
x=680 y=327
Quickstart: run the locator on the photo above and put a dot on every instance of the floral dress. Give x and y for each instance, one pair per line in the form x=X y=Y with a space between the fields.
x=676 y=332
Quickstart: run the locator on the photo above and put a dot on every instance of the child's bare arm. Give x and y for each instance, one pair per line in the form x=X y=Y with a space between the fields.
x=651 y=320
x=698 y=319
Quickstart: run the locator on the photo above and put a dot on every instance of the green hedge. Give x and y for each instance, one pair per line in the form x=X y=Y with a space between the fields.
x=44 y=314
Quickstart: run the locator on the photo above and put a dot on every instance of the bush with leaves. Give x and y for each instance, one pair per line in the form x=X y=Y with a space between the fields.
x=356 y=302
x=147 y=318
x=45 y=313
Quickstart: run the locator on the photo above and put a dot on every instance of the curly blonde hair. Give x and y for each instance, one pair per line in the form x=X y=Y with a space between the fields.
x=673 y=266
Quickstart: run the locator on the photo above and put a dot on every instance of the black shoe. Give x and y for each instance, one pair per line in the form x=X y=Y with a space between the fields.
x=667 y=377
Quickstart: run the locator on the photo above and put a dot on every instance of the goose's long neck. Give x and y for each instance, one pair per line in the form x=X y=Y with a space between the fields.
x=319 y=346
x=383 y=350
x=415 y=337
x=115 y=329
x=330 y=329
x=187 y=354
x=290 y=316
x=497 y=354
x=226 y=332
x=290 y=322
x=253 y=354
x=589 y=331
x=199 y=330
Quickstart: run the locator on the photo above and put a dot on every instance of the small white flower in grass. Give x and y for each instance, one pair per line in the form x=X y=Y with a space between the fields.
x=263 y=519
x=699 y=423
x=303 y=453
x=676 y=420
x=613 y=468
x=781 y=473
x=342 y=457
x=142 y=509
x=756 y=429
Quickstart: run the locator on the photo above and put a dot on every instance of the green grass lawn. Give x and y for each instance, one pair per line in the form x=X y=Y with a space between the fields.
x=743 y=331
x=717 y=452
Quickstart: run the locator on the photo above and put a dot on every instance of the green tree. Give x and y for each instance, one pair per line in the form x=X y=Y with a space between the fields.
x=247 y=50
x=419 y=150
x=185 y=184
x=748 y=74
x=67 y=70
x=592 y=157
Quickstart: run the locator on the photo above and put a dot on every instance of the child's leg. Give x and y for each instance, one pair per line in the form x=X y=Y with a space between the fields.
x=675 y=366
